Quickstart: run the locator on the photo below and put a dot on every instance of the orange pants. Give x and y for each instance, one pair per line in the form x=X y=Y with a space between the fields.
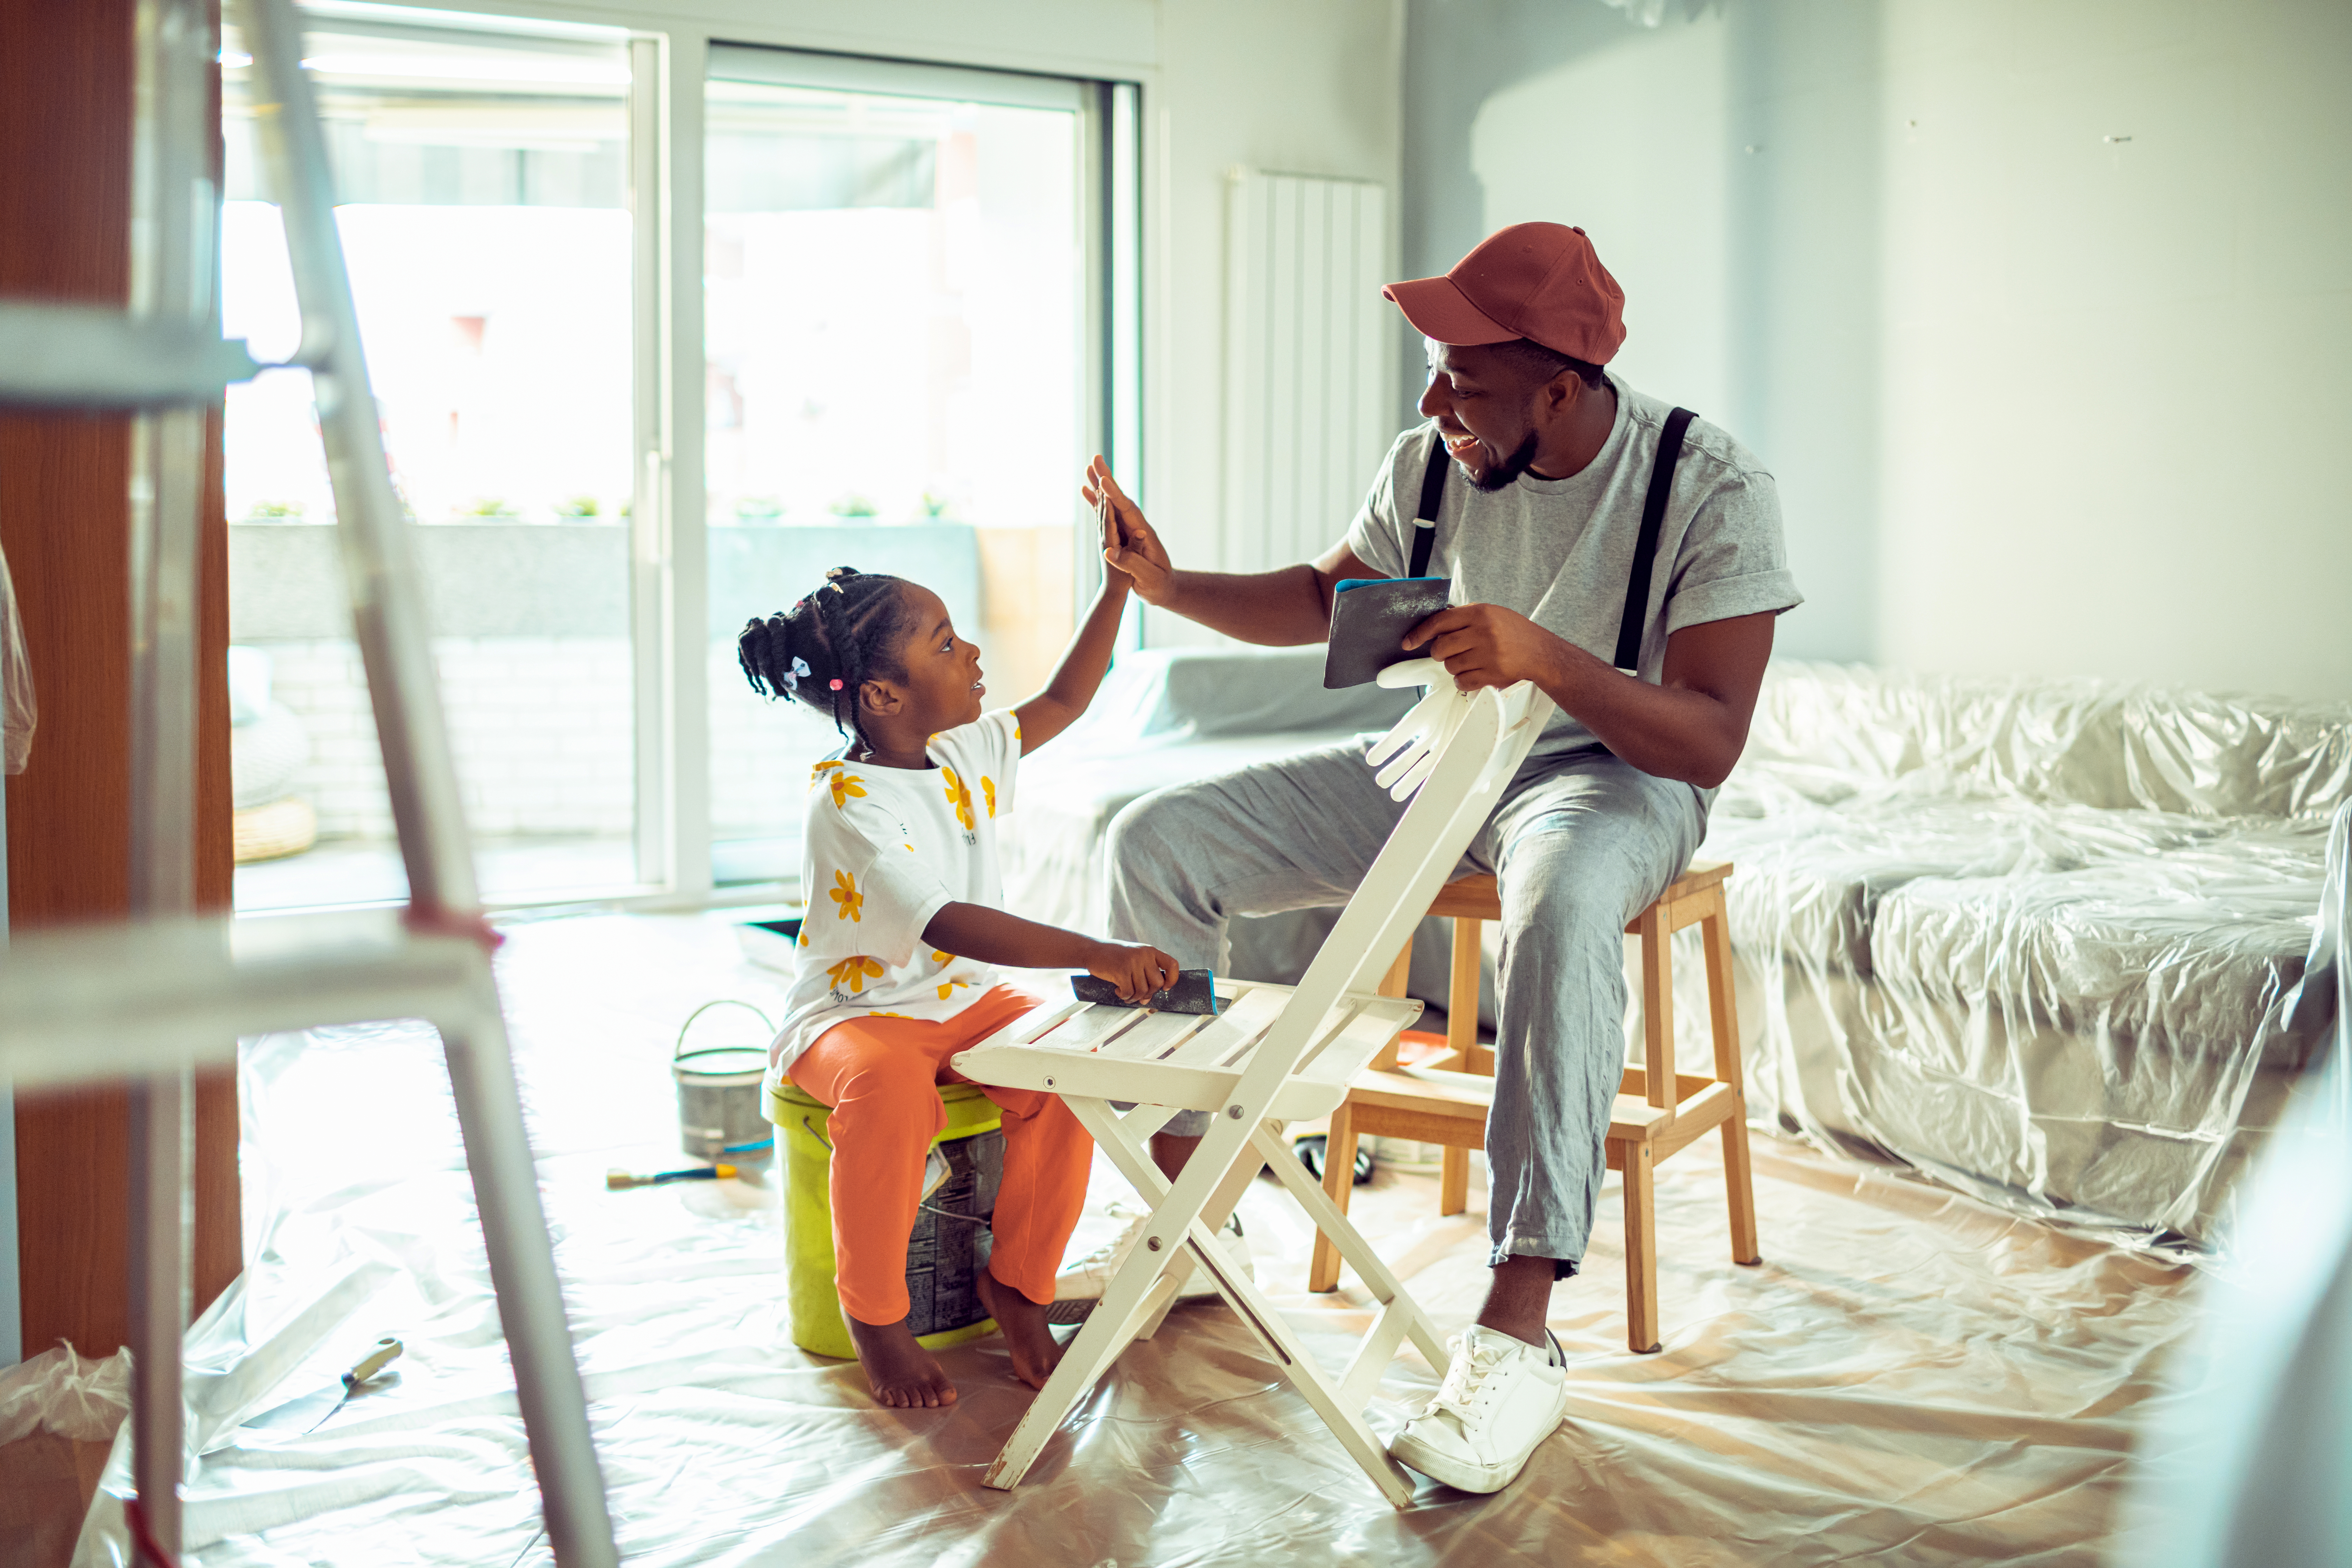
x=878 y=1075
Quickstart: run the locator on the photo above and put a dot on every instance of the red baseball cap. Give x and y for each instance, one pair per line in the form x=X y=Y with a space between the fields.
x=1535 y=280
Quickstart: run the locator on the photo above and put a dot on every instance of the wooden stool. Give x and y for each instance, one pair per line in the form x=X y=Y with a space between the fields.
x=1446 y=1102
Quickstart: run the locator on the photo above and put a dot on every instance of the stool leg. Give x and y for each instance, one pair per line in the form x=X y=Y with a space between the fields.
x=1339 y=1181
x=1739 y=1180
x=1640 y=1253
x=1462 y=1001
x=1454 y=1180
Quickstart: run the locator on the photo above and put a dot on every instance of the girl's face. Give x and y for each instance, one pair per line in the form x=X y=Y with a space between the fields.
x=943 y=686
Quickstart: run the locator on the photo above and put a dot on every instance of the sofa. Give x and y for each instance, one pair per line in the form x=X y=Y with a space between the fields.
x=2044 y=940
x=2052 y=942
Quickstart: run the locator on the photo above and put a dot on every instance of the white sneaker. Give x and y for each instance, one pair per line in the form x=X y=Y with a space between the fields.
x=1081 y=1284
x=1501 y=1397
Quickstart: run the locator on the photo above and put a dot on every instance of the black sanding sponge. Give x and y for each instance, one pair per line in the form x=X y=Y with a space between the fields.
x=1194 y=992
x=1370 y=616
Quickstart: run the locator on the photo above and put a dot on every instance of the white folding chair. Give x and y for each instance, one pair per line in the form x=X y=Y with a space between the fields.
x=1273 y=1054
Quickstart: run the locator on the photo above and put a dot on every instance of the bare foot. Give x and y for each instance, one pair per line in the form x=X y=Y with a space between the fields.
x=1035 y=1352
x=902 y=1374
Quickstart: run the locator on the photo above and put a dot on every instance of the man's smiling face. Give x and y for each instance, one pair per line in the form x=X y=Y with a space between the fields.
x=1485 y=407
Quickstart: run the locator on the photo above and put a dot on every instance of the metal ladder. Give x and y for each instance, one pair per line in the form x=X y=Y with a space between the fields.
x=170 y=991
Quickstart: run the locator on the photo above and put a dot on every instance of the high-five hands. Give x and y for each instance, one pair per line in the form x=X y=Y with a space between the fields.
x=1486 y=645
x=1130 y=546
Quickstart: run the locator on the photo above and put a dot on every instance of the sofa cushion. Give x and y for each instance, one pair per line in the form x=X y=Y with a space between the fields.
x=1811 y=879
x=2194 y=950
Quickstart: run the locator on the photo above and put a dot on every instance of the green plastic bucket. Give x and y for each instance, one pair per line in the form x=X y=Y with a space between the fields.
x=945 y=1255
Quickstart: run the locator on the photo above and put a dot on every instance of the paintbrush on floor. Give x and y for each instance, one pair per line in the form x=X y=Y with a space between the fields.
x=616 y=1180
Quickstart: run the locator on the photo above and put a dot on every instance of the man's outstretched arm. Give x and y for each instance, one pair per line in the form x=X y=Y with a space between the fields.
x=1282 y=609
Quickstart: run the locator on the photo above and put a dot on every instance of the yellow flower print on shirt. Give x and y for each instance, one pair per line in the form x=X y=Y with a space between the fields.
x=988 y=788
x=947 y=987
x=854 y=972
x=844 y=782
x=844 y=892
x=960 y=797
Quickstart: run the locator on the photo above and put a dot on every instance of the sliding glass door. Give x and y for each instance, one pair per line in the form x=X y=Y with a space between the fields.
x=483 y=199
x=903 y=299
x=919 y=300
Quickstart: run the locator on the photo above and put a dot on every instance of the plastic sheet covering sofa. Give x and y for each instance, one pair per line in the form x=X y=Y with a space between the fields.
x=2046 y=940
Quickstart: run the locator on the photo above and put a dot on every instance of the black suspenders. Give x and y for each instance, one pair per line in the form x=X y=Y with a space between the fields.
x=1433 y=489
x=1645 y=549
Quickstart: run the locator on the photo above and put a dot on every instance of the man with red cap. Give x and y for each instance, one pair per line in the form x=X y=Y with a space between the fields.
x=1625 y=556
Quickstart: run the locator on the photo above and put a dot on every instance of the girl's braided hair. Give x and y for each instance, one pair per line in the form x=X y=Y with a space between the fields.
x=827 y=647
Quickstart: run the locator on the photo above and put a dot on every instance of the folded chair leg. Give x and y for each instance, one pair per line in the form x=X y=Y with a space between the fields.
x=1333 y=1224
x=1338 y=1182
x=1258 y=1315
x=1641 y=1252
x=1108 y=1329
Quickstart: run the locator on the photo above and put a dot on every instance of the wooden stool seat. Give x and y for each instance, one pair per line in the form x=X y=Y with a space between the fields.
x=1446 y=1102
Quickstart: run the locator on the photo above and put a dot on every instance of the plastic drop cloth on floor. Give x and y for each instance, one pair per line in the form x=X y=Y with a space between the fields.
x=2045 y=941
x=1908 y=1372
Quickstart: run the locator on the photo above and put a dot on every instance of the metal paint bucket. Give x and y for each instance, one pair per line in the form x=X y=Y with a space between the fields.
x=721 y=1115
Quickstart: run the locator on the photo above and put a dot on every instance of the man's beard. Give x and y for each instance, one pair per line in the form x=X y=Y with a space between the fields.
x=1505 y=474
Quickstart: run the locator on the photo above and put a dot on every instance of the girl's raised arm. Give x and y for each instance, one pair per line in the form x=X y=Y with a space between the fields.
x=1079 y=675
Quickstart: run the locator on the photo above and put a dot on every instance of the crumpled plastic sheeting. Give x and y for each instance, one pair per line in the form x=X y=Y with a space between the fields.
x=1908 y=1374
x=77 y=1397
x=2044 y=940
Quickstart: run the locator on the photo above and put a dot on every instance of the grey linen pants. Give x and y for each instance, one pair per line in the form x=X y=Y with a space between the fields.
x=1580 y=846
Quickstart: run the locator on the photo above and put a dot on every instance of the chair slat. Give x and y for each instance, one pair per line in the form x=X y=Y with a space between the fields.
x=1235 y=1031
x=1155 y=1037
x=1342 y=1053
x=1092 y=1028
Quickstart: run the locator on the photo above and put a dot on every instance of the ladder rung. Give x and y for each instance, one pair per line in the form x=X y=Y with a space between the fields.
x=114 y=1001
x=82 y=356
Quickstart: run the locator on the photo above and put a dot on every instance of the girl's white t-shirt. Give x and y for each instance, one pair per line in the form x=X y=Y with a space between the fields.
x=883 y=850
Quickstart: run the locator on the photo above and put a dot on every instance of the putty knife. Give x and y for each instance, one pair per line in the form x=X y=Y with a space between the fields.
x=1194 y=992
x=311 y=1410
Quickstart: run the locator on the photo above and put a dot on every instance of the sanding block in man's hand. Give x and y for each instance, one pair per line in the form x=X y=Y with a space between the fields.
x=1370 y=616
x=1194 y=992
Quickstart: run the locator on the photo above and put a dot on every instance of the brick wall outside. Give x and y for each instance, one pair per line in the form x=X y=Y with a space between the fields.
x=540 y=727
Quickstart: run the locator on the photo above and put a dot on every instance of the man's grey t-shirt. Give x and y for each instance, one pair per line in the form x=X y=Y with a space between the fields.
x=1560 y=552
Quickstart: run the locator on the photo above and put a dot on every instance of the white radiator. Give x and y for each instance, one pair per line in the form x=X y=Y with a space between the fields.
x=1310 y=363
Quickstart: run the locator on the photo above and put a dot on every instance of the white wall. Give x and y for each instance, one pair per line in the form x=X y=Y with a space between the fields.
x=2039 y=402
x=1302 y=87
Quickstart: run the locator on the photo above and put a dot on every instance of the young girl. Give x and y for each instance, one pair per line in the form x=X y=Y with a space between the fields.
x=905 y=924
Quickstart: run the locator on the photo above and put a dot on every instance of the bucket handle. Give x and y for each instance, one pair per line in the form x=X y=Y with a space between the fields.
x=680 y=1048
